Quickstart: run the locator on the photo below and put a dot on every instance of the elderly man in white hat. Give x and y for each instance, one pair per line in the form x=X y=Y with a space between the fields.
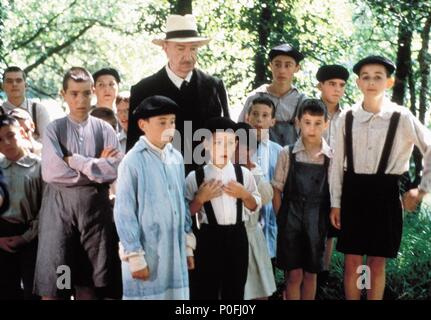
x=199 y=95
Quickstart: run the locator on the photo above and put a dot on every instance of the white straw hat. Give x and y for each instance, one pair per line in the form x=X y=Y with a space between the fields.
x=182 y=29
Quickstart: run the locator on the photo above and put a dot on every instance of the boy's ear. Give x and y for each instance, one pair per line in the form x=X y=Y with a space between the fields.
x=297 y=122
x=142 y=123
x=319 y=86
x=297 y=68
x=390 y=82
x=22 y=133
x=206 y=144
x=273 y=121
x=62 y=93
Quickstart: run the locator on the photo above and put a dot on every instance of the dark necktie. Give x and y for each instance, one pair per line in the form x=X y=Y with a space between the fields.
x=184 y=86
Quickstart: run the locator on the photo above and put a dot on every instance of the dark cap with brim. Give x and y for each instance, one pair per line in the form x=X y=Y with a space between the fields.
x=155 y=106
x=332 y=71
x=286 y=50
x=220 y=124
x=388 y=64
x=107 y=71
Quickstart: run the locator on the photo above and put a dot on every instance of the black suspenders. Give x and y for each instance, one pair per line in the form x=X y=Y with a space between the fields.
x=390 y=136
x=200 y=177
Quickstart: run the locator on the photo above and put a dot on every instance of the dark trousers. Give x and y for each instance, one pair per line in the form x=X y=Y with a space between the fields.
x=221 y=262
x=16 y=267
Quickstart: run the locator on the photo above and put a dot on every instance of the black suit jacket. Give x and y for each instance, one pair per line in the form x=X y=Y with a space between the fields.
x=209 y=100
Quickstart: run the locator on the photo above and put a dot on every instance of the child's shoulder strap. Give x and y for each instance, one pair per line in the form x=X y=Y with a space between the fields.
x=60 y=129
x=34 y=116
x=390 y=136
x=199 y=176
x=238 y=174
x=348 y=141
x=209 y=210
x=239 y=203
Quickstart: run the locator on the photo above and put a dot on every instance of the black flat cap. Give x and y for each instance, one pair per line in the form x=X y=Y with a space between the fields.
x=287 y=50
x=332 y=71
x=155 y=106
x=388 y=64
x=220 y=123
x=107 y=71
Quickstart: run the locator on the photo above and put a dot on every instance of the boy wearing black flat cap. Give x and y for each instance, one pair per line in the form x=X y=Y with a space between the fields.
x=332 y=82
x=106 y=82
x=150 y=212
x=374 y=142
x=219 y=194
x=284 y=62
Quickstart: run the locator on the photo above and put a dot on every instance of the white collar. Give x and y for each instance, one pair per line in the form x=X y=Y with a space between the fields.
x=122 y=135
x=10 y=106
x=385 y=112
x=155 y=148
x=325 y=149
x=212 y=166
x=79 y=124
x=176 y=80
x=264 y=89
x=26 y=161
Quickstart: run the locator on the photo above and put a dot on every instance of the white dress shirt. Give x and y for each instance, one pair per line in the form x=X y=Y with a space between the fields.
x=369 y=134
x=224 y=206
x=176 y=80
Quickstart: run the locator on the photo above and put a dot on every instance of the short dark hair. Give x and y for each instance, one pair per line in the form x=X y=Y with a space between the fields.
x=14 y=69
x=106 y=114
x=77 y=74
x=7 y=120
x=313 y=107
x=263 y=100
x=123 y=96
x=250 y=140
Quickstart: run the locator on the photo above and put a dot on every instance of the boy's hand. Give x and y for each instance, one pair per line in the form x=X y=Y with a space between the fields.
x=334 y=216
x=4 y=245
x=16 y=242
x=67 y=159
x=412 y=198
x=190 y=262
x=109 y=153
x=236 y=190
x=209 y=190
x=143 y=274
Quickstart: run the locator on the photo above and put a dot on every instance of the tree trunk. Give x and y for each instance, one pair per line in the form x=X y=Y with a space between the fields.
x=404 y=61
x=3 y=15
x=424 y=59
x=181 y=7
x=412 y=90
x=260 y=61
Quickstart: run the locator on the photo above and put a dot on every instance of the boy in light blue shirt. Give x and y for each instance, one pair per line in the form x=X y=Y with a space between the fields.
x=150 y=212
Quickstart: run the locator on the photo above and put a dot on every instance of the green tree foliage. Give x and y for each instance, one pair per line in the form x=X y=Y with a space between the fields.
x=46 y=38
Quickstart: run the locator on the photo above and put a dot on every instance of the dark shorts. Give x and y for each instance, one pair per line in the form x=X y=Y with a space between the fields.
x=76 y=231
x=17 y=268
x=371 y=215
x=332 y=232
x=301 y=239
